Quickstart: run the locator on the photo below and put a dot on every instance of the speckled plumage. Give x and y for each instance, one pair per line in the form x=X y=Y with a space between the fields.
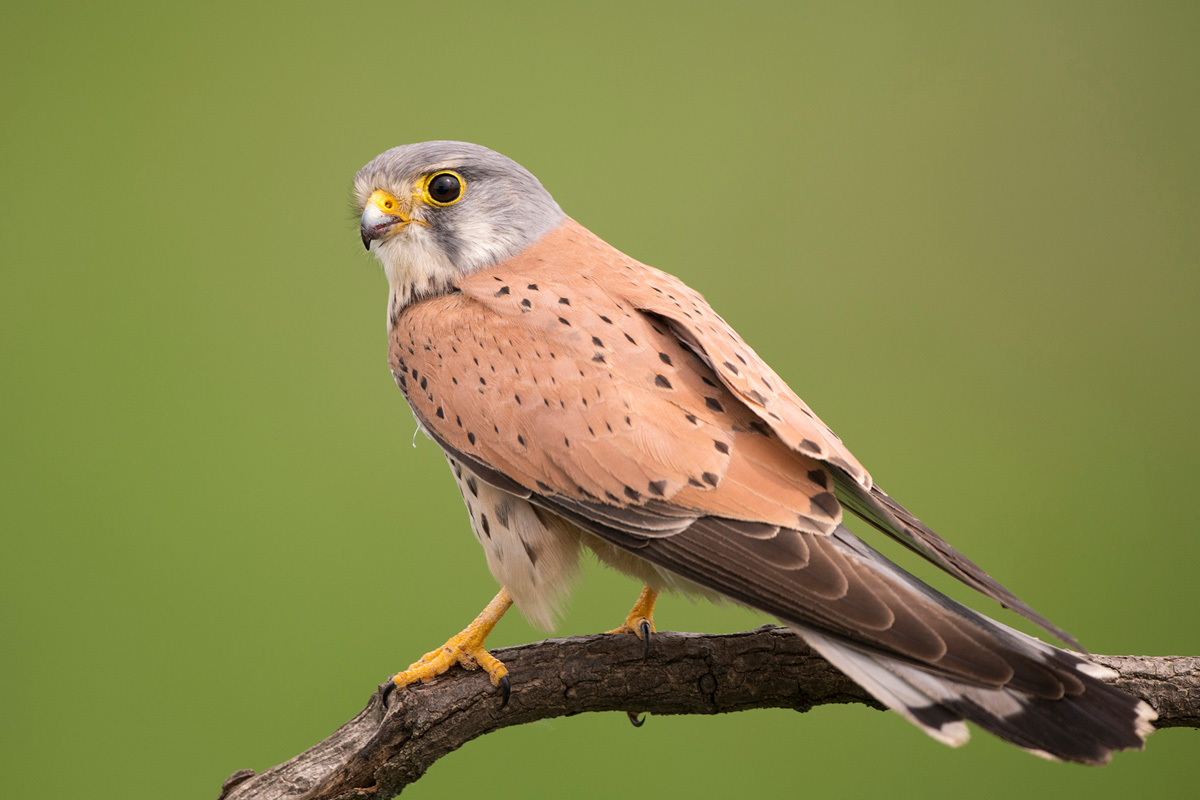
x=584 y=399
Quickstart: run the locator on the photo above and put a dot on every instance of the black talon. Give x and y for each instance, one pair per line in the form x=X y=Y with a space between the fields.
x=505 y=690
x=637 y=721
x=645 y=626
x=386 y=689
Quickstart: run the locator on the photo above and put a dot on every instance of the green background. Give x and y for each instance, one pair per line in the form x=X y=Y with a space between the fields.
x=217 y=535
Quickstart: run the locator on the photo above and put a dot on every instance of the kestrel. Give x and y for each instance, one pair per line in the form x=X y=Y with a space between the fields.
x=584 y=399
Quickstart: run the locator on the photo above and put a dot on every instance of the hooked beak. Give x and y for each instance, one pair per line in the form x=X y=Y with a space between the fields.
x=381 y=216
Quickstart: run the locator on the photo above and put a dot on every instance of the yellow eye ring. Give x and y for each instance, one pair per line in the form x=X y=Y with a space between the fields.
x=442 y=188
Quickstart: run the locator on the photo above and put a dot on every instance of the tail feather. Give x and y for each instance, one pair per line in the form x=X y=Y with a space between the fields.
x=890 y=688
x=1086 y=727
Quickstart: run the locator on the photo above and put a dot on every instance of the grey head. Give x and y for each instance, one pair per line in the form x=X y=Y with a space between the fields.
x=436 y=211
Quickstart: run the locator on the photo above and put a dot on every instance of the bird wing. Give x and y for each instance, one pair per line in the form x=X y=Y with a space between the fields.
x=768 y=397
x=632 y=437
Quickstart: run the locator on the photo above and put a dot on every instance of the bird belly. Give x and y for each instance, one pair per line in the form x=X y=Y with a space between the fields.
x=531 y=552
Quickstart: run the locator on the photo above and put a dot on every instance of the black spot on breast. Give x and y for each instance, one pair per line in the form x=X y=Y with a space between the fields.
x=471 y=438
x=473 y=485
x=740 y=358
x=696 y=483
x=520 y=440
x=660 y=380
x=517 y=397
x=424 y=383
x=532 y=287
x=658 y=487
x=458 y=420
x=606 y=319
x=708 y=381
x=599 y=358
x=666 y=359
x=632 y=494
x=596 y=341
x=709 y=478
x=526 y=304
x=731 y=367
x=501 y=292
x=565 y=301
x=483 y=523
x=721 y=446
x=441 y=414
x=631 y=339
x=714 y=404
x=691 y=418
x=564 y=322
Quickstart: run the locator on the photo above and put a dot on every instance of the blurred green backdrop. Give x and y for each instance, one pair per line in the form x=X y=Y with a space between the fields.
x=217 y=535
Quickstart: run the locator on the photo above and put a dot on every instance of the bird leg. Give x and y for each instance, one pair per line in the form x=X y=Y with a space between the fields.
x=640 y=621
x=465 y=648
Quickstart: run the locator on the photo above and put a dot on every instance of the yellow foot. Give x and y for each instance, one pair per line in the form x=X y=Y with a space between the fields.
x=466 y=649
x=640 y=621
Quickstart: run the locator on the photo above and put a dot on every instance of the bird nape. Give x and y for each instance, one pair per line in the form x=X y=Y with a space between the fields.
x=584 y=399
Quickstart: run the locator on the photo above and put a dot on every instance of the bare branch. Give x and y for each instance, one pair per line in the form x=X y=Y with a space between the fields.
x=393 y=741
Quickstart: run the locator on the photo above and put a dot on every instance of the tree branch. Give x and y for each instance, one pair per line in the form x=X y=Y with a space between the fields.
x=395 y=739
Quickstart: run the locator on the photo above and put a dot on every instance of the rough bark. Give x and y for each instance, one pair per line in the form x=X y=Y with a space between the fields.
x=392 y=741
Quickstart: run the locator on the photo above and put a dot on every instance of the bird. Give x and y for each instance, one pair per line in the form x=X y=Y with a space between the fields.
x=588 y=402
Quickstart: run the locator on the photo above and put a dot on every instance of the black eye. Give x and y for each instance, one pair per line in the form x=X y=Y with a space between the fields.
x=445 y=188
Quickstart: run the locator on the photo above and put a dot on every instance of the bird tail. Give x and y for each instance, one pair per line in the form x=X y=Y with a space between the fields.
x=1086 y=726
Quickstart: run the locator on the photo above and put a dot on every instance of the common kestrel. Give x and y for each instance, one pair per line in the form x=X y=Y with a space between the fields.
x=584 y=399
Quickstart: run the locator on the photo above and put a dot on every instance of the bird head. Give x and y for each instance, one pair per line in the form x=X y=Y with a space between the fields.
x=436 y=211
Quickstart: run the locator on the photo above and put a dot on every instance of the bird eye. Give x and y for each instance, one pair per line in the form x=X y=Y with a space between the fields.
x=443 y=188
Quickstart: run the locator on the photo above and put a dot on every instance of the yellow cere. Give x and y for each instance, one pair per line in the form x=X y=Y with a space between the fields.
x=386 y=203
